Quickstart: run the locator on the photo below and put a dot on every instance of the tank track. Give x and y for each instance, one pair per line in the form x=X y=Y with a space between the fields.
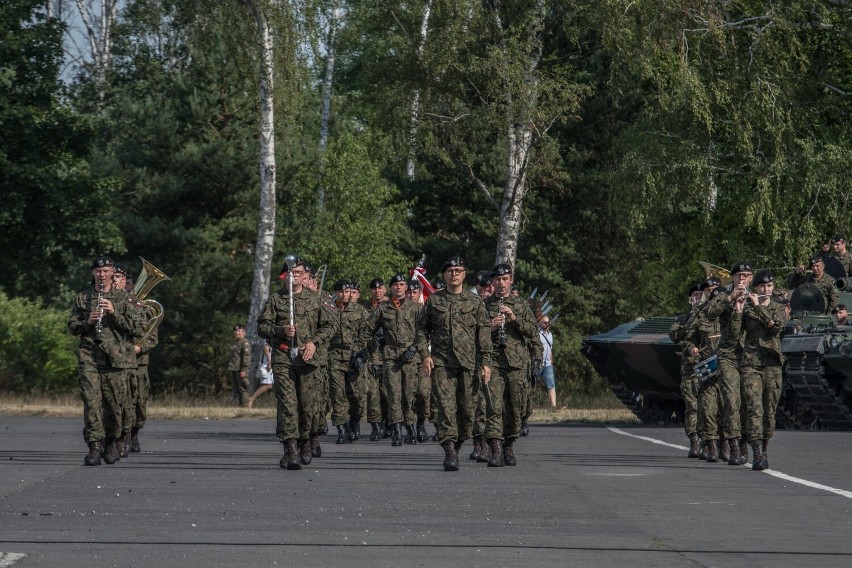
x=633 y=401
x=812 y=403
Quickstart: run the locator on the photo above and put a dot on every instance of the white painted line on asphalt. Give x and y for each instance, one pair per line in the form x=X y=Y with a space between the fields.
x=772 y=472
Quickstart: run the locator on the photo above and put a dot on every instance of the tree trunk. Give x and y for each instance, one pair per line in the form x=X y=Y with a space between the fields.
x=266 y=217
x=415 y=100
x=99 y=35
x=327 y=87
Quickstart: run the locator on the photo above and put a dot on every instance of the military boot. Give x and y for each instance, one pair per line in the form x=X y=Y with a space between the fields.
x=323 y=429
x=94 y=455
x=134 y=441
x=766 y=454
x=282 y=463
x=293 y=454
x=712 y=451
x=757 y=456
x=705 y=448
x=525 y=428
x=477 y=447
x=743 y=450
x=410 y=435
x=694 y=448
x=305 y=453
x=342 y=434
x=496 y=459
x=451 y=457
x=509 y=452
x=388 y=430
x=110 y=451
x=421 y=431
x=734 y=458
x=396 y=437
x=123 y=445
x=316 y=450
x=354 y=429
x=724 y=450
x=376 y=434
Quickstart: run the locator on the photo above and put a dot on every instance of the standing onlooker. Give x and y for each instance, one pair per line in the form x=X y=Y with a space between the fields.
x=547 y=375
x=239 y=364
x=265 y=374
x=104 y=321
x=840 y=253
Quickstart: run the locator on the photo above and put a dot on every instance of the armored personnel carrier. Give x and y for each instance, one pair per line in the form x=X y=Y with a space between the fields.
x=642 y=365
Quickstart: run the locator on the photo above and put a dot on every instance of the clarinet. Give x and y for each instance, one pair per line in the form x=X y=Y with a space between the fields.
x=501 y=334
x=99 y=325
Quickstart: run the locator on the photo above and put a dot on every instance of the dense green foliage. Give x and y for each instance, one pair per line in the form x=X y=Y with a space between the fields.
x=664 y=133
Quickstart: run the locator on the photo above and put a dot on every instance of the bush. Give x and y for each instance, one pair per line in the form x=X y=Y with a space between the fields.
x=36 y=351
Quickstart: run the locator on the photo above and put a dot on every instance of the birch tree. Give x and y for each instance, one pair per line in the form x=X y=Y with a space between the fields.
x=266 y=213
x=415 y=99
x=98 y=18
x=327 y=89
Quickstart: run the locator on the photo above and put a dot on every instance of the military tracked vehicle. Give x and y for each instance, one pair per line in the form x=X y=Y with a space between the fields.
x=642 y=365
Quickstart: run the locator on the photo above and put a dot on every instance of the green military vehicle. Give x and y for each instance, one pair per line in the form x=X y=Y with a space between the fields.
x=642 y=365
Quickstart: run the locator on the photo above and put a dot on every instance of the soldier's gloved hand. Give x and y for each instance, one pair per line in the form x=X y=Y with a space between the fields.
x=376 y=370
x=409 y=353
x=357 y=362
x=535 y=368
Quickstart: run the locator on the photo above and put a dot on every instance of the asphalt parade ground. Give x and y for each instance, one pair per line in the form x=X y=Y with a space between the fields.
x=210 y=493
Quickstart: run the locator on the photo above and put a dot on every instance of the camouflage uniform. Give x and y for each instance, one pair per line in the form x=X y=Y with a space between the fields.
x=728 y=355
x=140 y=383
x=297 y=383
x=688 y=382
x=704 y=335
x=347 y=399
x=846 y=261
x=761 y=367
x=458 y=329
x=103 y=368
x=509 y=382
x=536 y=356
x=398 y=320
x=371 y=381
x=238 y=364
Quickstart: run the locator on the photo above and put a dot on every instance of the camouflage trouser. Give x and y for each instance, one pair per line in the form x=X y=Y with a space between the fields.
x=338 y=392
x=508 y=403
x=104 y=394
x=297 y=393
x=325 y=394
x=761 y=391
x=710 y=409
x=371 y=401
x=479 y=410
x=383 y=401
x=529 y=388
x=689 y=392
x=240 y=386
x=733 y=411
x=401 y=386
x=140 y=387
x=454 y=401
x=425 y=408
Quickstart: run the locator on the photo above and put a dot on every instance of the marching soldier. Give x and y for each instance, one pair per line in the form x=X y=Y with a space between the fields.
x=294 y=362
x=239 y=364
x=397 y=318
x=513 y=325
x=104 y=321
x=688 y=382
x=455 y=323
x=763 y=321
x=375 y=399
x=423 y=403
x=483 y=288
x=342 y=375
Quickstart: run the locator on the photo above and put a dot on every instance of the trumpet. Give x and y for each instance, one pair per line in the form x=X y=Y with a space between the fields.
x=501 y=334
x=99 y=325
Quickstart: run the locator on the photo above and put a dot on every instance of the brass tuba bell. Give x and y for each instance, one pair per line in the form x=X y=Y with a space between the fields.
x=148 y=279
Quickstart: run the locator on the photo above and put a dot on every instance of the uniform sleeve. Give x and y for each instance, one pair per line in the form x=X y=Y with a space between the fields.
x=150 y=342
x=483 y=337
x=325 y=328
x=525 y=321
x=245 y=356
x=368 y=330
x=77 y=319
x=127 y=318
x=266 y=321
x=423 y=330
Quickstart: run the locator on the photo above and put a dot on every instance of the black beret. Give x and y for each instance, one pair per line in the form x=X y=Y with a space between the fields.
x=440 y=285
x=838 y=307
x=696 y=287
x=744 y=266
x=297 y=262
x=414 y=284
x=452 y=262
x=764 y=277
x=482 y=278
x=239 y=326
x=119 y=269
x=710 y=282
x=376 y=283
x=716 y=291
x=309 y=267
x=816 y=258
x=839 y=237
x=355 y=286
x=343 y=284
x=102 y=261
x=396 y=278
x=501 y=269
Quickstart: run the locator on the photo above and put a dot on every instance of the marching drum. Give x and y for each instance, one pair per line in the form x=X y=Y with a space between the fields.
x=707 y=369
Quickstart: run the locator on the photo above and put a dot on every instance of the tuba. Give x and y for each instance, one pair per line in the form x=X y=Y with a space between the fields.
x=148 y=279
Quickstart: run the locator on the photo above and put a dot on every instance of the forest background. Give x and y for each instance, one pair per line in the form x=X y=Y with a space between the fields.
x=604 y=147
